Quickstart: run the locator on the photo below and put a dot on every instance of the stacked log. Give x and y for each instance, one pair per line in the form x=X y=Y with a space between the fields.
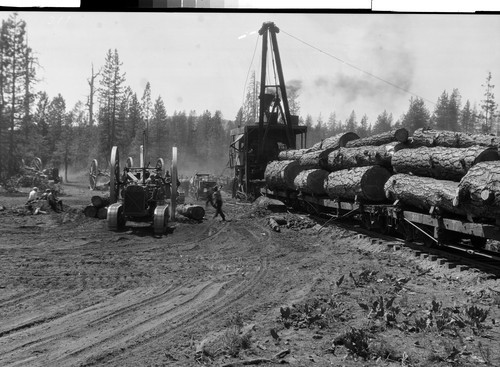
x=98 y=207
x=311 y=181
x=427 y=167
x=396 y=135
x=315 y=159
x=452 y=139
x=331 y=143
x=479 y=190
x=362 y=183
x=441 y=162
x=335 y=141
x=191 y=211
x=280 y=175
x=292 y=154
x=423 y=192
x=338 y=141
x=344 y=158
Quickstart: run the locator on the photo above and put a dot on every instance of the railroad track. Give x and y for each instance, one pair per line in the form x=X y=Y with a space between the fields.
x=457 y=255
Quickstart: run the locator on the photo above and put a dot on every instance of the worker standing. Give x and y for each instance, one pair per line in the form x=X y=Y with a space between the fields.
x=218 y=203
x=210 y=198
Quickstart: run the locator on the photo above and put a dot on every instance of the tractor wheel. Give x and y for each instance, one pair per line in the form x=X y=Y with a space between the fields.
x=160 y=220
x=93 y=174
x=114 y=176
x=115 y=217
x=130 y=162
x=36 y=163
x=173 y=189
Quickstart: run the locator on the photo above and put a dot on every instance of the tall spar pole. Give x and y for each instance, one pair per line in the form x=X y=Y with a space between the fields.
x=263 y=32
x=284 y=98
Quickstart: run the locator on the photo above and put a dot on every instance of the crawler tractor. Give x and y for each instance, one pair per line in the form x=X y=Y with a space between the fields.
x=142 y=194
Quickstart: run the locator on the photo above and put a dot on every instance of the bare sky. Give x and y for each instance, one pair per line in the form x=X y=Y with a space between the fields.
x=199 y=61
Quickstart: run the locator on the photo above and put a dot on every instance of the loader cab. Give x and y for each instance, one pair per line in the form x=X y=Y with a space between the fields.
x=248 y=166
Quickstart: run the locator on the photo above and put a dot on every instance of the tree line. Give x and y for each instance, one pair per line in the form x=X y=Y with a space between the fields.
x=37 y=125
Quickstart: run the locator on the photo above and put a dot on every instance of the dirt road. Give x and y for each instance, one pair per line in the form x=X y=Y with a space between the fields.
x=73 y=293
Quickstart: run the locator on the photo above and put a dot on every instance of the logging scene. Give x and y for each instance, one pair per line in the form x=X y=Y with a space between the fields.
x=135 y=237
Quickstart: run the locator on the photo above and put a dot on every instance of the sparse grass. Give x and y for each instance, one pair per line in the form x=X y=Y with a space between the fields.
x=234 y=340
x=356 y=341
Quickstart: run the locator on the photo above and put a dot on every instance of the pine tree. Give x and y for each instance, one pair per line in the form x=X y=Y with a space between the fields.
x=363 y=129
x=440 y=116
x=56 y=118
x=250 y=108
x=488 y=107
x=65 y=152
x=292 y=92
x=454 y=105
x=159 y=132
x=82 y=132
x=467 y=119
x=311 y=138
x=332 y=124
x=351 y=124
x=16 y=77
x=41 y=120
x=417 y=116
x=134 y=127
x=110 y=94
x=383 y=123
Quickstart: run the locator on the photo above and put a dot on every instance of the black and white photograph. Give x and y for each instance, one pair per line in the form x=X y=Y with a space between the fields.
x=188 y=184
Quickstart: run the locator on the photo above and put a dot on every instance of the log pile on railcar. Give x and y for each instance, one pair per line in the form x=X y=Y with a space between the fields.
x=437 y=173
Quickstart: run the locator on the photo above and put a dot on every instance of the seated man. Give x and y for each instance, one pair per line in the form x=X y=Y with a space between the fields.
x=33 y=195
x=53 y=201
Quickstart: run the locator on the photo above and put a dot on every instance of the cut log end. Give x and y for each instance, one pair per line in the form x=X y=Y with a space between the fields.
x=490 y=154
x=401 y=135
x=487 y=196
x=373 y=182
x=90 y=211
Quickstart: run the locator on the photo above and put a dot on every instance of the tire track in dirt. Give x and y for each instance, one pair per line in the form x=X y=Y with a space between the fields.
x=206 y=300
x=65 y=331
x=207 y=313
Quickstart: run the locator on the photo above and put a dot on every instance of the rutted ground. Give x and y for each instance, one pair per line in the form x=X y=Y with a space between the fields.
x=209 y=293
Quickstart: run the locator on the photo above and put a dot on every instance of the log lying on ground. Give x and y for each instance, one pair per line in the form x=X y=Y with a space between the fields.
x=441 y=162
x=292 y=154
x=273 y=205
x=311 y=181
x=365 y=183
x=191 y=211
x=452 y=139
x=423 y=192
x=99 y=201
x=344 y=158
x=336 y=141
x=399 y=135
x=279 y=175
x=102 y=213
x=479 y=190
x=90 y=211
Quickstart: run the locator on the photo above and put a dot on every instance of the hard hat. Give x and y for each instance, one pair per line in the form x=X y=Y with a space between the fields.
x=35 y=188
